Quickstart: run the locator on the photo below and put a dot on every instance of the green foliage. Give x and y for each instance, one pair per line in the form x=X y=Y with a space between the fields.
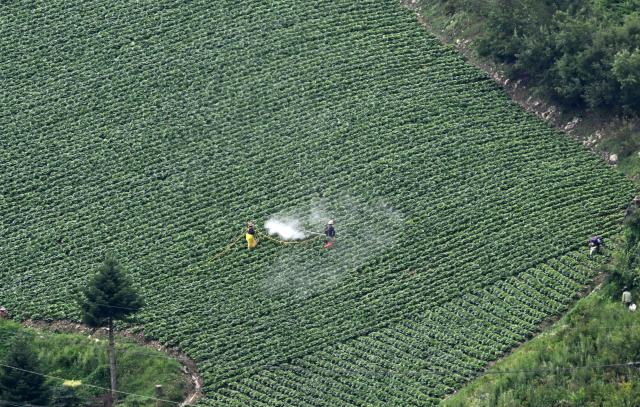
x=109 y=296
x=583 y=54
x=597 y=331
x=568 y=364
x=616 y=9
x=626 y=142
x=156 y=131
x=76 y=357
x=20 y=385
x=626 y=69
x=65 y=397
x=625 y=268
x=8 y=331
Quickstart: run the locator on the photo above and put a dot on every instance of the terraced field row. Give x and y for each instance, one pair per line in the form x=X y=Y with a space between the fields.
x=157 y=131
x=421 y=359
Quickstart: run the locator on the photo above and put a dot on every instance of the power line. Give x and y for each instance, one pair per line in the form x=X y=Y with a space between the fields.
x=556 y=369
x=125 y=350
x=91 y=385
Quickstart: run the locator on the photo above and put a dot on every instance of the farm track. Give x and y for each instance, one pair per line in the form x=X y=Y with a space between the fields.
x=156 y=132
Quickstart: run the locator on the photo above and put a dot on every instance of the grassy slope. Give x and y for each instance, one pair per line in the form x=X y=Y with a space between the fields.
x=156 y=131
x=597 y=331
x=76 y=357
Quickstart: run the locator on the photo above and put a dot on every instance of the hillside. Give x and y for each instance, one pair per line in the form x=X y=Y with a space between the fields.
x=82 y=358
x=576 y=64
x=156 y=131
x=588 y=358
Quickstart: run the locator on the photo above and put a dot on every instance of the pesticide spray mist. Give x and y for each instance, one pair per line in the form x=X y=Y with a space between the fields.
x=365 y=229
x=287 y=229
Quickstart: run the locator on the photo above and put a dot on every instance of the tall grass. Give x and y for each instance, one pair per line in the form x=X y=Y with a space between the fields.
x=563 y=366
x=79 y=357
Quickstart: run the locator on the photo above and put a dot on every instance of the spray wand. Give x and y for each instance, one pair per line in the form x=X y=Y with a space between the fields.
x=313 y=233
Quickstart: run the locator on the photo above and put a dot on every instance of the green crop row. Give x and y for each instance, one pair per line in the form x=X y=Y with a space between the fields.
x=421 y=358
x=156 y=131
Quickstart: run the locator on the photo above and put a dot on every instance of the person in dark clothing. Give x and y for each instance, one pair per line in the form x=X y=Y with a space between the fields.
x=595 y=245
x=330 y=233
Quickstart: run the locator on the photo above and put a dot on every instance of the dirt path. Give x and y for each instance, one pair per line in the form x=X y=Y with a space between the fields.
x=189 y=368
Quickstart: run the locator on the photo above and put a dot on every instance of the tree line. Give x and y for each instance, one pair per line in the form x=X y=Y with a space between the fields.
x=584 y=54
x=107 y=298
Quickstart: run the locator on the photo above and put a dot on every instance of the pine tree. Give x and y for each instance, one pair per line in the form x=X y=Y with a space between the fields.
x=19 y=385
x=64 y=396
x=109 y=297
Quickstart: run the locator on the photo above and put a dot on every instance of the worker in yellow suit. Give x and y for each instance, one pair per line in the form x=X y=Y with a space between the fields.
x=251 y=236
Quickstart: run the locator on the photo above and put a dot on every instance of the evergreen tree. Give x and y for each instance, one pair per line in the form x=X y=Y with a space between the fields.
x=64 y=396
x=19 y=385
x=109 y=297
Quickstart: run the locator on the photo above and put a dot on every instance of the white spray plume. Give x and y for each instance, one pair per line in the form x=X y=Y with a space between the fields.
x=286 y=229
x=297 y=274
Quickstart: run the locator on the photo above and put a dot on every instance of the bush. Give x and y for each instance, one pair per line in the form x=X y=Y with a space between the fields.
x=64 y=396
x=626 y=70
x=22 y=386
x=625 y=269
x=581 y=55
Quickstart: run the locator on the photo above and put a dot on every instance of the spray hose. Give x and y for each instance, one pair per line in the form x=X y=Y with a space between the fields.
x=225 y=250
x=228 y=247
x=221 y=253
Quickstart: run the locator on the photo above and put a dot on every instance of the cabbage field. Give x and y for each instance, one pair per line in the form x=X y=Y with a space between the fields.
x=156 y=129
